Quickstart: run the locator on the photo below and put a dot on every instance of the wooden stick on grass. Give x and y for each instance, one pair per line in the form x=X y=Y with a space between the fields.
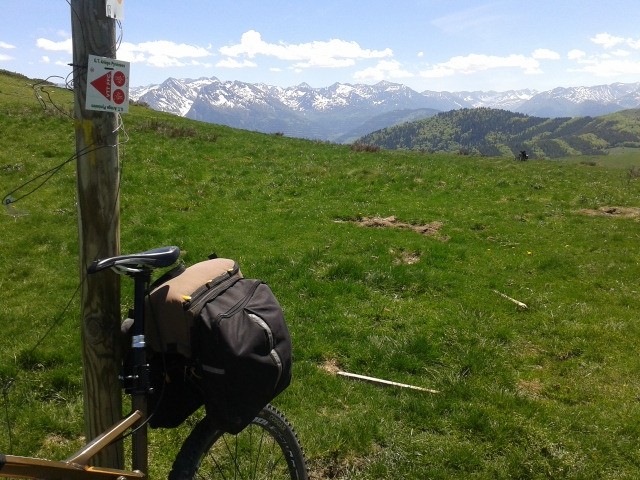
x=522 y=306
x=379 y=381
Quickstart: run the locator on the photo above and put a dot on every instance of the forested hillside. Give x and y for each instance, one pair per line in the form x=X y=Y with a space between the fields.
x=491 y=132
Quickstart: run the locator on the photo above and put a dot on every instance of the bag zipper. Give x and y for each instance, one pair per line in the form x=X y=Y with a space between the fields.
x=273 y=354
x=211 y=290
x=242 y=302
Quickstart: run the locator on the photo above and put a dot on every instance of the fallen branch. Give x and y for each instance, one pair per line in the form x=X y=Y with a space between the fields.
x=379 y=381
x=522 y=306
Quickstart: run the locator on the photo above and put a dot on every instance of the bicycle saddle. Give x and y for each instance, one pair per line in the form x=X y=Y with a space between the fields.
x=155 y=258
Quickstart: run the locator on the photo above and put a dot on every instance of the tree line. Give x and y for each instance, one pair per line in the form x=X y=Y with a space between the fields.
x=495 y=132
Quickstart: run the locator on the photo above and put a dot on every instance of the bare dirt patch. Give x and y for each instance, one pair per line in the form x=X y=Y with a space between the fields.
x=430 y=229
x=330 y=366
x=530 y=388
x=405 y=258
x=613 y=212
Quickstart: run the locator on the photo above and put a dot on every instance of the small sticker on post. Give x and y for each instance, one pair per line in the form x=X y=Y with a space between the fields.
x=115 y=9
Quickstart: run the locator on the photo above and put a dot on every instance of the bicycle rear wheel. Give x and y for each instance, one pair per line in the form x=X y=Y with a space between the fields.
x=267 y=449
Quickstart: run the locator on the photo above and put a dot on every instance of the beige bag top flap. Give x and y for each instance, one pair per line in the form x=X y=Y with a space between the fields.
x=167 y=321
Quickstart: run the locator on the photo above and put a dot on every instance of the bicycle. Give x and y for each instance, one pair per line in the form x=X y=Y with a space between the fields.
x=267 y=449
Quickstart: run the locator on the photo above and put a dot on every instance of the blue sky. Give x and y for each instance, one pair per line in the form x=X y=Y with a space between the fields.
x=426 y=44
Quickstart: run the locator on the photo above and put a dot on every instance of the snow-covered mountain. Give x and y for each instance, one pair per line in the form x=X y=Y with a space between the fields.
x=341 y=111
x=583 y=101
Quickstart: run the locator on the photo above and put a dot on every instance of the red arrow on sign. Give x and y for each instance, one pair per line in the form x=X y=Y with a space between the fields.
x=103 y=85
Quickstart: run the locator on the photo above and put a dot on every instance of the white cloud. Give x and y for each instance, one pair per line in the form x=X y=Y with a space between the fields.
x=171 y=49
x=163 y=61
x=438 y=71
x=476 y=63
x=45 y=59
x=385 y=69
x=610 y=68
x=161 y=53
x=50 y=45
x=621 y=53
x=615 y=63
x=7 y=46
x=328 y=54
x=545 y=54
x=606 y=40
x=576 y=54
x=319 y=61
x=233 y=63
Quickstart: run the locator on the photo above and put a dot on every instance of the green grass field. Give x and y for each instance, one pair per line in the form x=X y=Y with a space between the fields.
x=550 y=391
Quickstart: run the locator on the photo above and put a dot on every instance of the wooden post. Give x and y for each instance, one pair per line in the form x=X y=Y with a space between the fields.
x=99 y=229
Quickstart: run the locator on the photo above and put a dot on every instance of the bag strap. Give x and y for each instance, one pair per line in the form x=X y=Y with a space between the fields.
x=173 y=273
x=211 y=290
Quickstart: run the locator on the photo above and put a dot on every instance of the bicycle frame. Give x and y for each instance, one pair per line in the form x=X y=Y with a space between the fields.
x=141 y=382
x=139 y=267
x=75 y=467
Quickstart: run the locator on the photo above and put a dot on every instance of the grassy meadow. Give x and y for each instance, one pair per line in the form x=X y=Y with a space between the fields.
x=543 y=392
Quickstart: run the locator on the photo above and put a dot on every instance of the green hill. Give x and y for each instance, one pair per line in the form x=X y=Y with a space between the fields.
x=491 y=132
x=391 y=264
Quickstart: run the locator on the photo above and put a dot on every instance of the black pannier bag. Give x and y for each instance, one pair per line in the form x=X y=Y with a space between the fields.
x=176 y=391
x=243 y=348
x=216 y=338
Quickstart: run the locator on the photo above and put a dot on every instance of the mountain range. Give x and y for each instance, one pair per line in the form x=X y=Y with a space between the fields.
x=343 y=112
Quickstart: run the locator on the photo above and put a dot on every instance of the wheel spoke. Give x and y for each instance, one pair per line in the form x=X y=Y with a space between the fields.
x=267 y=449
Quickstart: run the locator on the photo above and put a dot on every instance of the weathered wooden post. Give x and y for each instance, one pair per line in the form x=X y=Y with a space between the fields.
x=99 y=228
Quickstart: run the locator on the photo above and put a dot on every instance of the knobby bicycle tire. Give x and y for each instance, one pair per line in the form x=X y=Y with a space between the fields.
x=268 y=449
